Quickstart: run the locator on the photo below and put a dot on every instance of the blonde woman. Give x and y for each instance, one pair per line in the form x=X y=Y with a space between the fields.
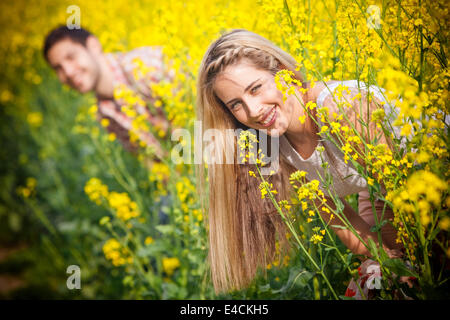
x=237 y=89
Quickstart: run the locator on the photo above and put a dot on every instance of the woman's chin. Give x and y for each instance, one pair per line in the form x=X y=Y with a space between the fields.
x=275 y=132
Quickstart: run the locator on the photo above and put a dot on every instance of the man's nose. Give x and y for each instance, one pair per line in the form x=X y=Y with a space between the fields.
x=68 y=70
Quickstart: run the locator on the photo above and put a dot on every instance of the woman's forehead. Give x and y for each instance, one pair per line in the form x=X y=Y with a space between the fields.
x=240 y=74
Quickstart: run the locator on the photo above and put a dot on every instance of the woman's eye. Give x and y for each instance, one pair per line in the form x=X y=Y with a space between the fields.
x=234 y=105
x=255 y=88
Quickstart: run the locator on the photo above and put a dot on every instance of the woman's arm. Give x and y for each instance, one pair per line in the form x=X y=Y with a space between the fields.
x=361 y=227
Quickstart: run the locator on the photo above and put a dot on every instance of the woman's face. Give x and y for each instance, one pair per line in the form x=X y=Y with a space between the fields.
x=252 y=97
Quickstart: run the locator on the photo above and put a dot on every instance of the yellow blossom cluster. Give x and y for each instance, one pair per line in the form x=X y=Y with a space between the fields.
x=34 y=119
x=159 y=173
x=422 y=192
x=266 y=187
x=186 y=191
x=115 y=252
x=308 y=195
x=403 y=20
x=148 y=240
x=96 y=190
x=417 y=208
x=29 y=189
x=357 y=25
x=247 y=143
x=317 y=237
x=285 y=82
x=279 y=260
x=170 y=265
x=306 y=190
x=124 y=208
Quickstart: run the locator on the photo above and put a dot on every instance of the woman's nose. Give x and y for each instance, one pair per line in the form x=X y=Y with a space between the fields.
x=254 y=108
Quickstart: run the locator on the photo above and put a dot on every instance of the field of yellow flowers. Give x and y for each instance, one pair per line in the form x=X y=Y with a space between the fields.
x=71 y=195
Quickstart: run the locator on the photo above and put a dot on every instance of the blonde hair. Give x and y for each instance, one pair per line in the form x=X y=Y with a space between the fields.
x=243 y=228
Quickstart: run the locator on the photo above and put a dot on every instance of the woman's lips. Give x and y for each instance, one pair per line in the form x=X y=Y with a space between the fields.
x=270 y=118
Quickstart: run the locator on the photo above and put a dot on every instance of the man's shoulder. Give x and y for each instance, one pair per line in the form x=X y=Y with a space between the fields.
x=143 y=53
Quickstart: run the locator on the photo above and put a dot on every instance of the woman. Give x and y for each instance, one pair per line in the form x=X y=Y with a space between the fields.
x=237 y=89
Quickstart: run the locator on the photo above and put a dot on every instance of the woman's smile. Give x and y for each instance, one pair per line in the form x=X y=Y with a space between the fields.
x=269 y=118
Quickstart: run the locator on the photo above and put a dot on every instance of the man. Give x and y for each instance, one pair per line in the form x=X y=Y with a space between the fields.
x=78 y=60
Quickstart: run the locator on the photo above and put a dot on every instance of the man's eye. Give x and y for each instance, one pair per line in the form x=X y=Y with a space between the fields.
x=255 y=88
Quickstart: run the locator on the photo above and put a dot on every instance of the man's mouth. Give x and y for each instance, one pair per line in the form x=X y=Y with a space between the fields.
x=76 y=81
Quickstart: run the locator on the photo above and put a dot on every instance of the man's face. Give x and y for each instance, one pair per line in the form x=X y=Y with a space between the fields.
x=74 y=64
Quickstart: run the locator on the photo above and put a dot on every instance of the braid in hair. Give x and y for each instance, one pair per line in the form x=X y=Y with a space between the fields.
x=220 y=58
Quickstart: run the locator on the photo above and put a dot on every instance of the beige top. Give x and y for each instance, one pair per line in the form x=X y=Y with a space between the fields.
x=351 y=181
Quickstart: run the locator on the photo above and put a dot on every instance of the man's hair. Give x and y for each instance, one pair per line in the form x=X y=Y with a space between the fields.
x=63 y=32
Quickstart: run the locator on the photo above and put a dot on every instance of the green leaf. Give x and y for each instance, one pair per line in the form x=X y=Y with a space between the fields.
x=128 y=280
x=104 y=220
x=151 y=250
x=399 y=268
x=383 y=255
x=298 y=278
x=372 y=247
x=165 y=229
x=434 y=234
x=264 y=288
x=339 y=205
x=15 y=222
x=349 y=258
x=338 y=226
x=375 y=228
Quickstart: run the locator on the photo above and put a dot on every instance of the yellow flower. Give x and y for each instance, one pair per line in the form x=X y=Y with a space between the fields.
x=116 y=253
x=96 y=190
x=316 y=238
x=324 y=129
x=112 y=136
x=125 y=208
x=444 y=224
x=302 y=119
x=406 y=130
x=325 y=209
x=170 y=264
x=104 y=122
x=148 y=240
x=34 y=119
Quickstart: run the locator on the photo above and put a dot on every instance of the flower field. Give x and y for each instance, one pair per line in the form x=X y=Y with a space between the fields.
x=70 y=194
